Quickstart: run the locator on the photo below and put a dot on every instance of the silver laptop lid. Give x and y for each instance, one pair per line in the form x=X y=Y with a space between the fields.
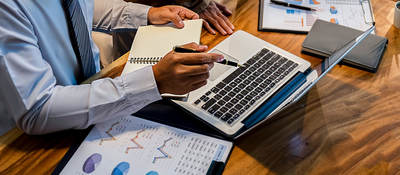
x=322 y=69
x=328 y=64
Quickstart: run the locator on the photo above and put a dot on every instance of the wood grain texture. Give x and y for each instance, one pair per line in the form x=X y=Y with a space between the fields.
x=348 y=124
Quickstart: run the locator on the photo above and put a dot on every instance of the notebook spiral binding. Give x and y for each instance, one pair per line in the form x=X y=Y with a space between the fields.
x=145 y=60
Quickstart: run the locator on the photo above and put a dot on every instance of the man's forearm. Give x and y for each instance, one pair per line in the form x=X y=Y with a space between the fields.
x=80 y=106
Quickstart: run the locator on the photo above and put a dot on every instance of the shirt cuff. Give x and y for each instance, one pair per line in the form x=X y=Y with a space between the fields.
x=133 y=16
x=201 y=6
x=142 y=82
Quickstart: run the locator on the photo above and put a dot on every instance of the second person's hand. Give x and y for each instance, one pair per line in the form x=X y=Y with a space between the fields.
x=180 y=73
x=170 y=13
x=215 y=15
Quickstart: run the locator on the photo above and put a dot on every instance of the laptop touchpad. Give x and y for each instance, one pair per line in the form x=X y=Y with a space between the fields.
x=220 y=69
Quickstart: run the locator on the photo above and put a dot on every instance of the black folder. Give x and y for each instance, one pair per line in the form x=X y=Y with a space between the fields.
x=325 y=38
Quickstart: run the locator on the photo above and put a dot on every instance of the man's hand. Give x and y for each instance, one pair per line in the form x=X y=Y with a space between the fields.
x=180 y=73
x=215 y=14
x=170 y=13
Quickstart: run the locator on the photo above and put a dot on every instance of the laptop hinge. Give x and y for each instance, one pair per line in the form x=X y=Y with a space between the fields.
x=279 y=97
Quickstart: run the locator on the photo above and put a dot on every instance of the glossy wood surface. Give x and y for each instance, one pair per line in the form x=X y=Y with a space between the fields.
x=348 y=124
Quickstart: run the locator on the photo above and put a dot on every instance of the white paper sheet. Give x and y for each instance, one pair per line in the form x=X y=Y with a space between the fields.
x=349 y=13
x=136 y=146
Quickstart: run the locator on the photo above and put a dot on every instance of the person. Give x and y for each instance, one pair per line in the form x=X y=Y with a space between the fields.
x=41 y=67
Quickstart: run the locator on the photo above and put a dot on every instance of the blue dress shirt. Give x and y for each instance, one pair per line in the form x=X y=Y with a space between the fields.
x=39 y=70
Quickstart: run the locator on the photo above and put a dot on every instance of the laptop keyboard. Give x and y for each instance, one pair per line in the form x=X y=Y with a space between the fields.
x=230 y=98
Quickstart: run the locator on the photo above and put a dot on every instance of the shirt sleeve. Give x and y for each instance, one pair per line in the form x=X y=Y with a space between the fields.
x=195 y=5
x=110 y=15
x=30 y=93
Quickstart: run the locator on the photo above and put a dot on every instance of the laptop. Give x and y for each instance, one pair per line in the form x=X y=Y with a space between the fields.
x=236 y=100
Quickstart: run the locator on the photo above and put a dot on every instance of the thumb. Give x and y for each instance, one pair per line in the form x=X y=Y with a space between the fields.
x=177 y=20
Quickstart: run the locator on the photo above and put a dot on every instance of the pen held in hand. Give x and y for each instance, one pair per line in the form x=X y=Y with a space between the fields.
x=225 y=62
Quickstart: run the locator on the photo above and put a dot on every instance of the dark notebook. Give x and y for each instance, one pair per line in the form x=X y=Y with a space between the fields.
x=325 y=37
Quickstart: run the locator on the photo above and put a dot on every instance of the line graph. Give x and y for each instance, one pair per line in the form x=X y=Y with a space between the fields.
x=161 y=149
x=108 y=132
x=138 y=145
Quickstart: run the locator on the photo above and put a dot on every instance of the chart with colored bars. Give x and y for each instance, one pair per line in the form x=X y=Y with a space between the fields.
x=351 y=13
x=136 y=146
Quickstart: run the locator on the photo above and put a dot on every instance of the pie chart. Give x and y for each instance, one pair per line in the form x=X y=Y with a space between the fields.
x=121 y=169
x=333 y=10
x=334 y=20
x=91 y=162
x=152 y=173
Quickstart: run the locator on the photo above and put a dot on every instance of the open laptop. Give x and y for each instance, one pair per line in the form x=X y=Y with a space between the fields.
x=238 y=99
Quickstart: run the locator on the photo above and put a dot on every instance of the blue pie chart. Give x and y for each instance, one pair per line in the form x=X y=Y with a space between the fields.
x=91 y=163
x=333 y=10
x=121 y=169
x=152 y=173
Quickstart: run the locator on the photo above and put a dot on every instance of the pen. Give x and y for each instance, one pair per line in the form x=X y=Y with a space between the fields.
x=226 y=62
x=277 y=2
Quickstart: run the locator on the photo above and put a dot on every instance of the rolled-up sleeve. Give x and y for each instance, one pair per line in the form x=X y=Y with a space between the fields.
x=110 y=15
x=38 y=105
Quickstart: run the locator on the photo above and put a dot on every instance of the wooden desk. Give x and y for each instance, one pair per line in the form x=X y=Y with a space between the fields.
x=348 y=124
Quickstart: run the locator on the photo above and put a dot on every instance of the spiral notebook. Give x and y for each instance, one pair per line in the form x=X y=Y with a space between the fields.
x=152 y=42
